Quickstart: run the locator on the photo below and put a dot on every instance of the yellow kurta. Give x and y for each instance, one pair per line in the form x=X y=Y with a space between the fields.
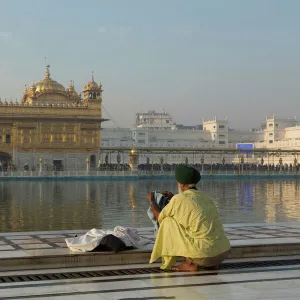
x=190 y=227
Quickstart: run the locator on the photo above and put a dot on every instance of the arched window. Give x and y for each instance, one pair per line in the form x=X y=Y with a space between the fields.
x=92 y=161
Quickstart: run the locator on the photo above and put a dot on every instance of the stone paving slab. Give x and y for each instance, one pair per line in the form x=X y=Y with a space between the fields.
x=30 y=249
x=266 y=233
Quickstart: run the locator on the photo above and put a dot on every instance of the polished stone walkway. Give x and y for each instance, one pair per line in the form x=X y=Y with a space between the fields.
x=261 y=282
x=37 y=250
x=34 y=243
x=257 y=283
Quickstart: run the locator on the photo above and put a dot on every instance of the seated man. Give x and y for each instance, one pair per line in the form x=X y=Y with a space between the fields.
x=189 y=227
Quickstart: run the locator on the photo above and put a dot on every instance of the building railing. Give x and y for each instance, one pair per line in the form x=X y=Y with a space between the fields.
x=116 y=161
x=240 y=170
x=73 y=173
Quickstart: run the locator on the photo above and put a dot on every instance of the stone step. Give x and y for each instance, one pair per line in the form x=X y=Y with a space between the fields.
x=130 y=257
x=40 y=250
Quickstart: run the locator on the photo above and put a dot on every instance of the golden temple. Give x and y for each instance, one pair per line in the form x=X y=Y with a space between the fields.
x=52 y=123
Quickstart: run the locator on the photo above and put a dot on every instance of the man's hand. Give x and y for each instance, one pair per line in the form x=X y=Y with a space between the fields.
x=153 y=205
x=168 y=194
x=149 y=196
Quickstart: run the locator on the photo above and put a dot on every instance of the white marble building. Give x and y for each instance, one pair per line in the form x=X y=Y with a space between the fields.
x=157 y=130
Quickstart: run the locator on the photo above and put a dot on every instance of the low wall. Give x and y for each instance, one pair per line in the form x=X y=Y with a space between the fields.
x=122 y=175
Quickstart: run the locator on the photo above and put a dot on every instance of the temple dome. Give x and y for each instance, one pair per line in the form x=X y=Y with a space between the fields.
x=92 y=85
x=49 y=91
x=49 y=84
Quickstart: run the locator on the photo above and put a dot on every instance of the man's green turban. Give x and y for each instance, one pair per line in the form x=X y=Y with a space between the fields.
x=187 y=175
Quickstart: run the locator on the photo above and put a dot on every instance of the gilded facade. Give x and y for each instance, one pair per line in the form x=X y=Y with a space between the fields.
x=54 y=124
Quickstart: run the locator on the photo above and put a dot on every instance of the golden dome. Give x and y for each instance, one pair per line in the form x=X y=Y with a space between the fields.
x=92 y=84
x=49 y=84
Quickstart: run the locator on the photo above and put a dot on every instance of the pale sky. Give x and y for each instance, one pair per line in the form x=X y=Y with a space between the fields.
x=196 y=59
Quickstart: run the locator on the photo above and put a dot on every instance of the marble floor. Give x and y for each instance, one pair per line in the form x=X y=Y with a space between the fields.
x=277 y=282
x=18 y=244
x=281 y=282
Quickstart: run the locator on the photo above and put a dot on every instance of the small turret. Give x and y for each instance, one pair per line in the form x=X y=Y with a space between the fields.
x=92 y=91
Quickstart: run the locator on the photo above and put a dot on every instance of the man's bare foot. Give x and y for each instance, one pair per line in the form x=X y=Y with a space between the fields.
x=216 y=267
x=187 y=266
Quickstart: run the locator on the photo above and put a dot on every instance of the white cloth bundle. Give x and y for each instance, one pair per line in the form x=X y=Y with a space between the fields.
x=92 y=239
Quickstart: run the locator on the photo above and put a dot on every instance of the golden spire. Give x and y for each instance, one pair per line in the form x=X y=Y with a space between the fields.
x=93 y=76
x=71 y=86
x=47 y=71
x=33 y=87
x=133 y=151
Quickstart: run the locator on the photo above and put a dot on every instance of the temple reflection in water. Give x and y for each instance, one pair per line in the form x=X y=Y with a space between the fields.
x=56 y=205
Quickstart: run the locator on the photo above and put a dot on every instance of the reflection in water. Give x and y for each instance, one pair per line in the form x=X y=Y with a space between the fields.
x=245 y=193
x=54 y=205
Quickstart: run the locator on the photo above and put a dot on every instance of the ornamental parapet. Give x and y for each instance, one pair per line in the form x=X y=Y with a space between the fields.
x=37 y=111
x=52 y=105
